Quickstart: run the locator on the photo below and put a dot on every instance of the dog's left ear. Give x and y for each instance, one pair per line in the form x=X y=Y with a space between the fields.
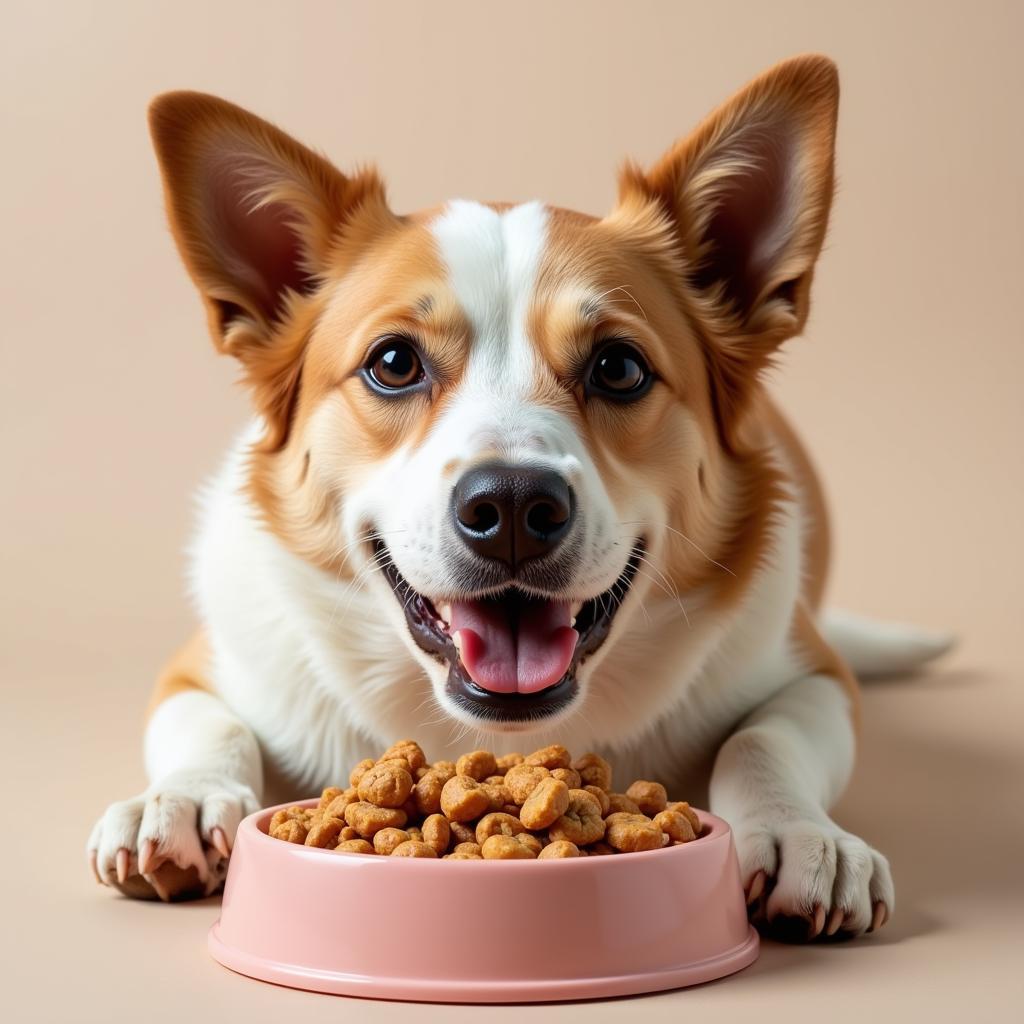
x=749 y=194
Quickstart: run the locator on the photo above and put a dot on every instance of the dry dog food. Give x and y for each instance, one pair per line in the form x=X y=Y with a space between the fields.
x=534 y=807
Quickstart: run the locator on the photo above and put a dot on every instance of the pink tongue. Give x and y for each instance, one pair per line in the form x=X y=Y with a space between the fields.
x=528 y=655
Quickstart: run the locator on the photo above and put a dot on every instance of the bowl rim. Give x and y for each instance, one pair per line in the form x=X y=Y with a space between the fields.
x=715 y=831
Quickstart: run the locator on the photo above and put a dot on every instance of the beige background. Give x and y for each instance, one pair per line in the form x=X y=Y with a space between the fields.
x=907 y=386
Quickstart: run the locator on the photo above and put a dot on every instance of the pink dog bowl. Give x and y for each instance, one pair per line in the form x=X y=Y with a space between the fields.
x=483 y=931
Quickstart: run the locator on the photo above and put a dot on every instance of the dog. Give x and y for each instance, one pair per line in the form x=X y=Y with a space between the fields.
x=513 y=478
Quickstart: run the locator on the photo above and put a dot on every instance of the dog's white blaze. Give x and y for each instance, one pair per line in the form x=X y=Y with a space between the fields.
x=492 y=261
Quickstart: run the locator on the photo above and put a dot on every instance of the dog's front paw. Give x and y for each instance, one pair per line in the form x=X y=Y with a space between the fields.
x=808 y=879
x=173 y=841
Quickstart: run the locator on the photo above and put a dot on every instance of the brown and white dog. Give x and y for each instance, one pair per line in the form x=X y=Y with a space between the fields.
x=513 y=479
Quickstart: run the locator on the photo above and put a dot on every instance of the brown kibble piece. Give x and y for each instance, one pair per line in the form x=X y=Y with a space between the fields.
x=523 y=779
x=546 y=804
x=619 y=802
x=336 y=808
x=462 y=856
x=426 y=794
x=368 y=819
x=582 y=822
x=473 y=848
x=555 y=756
x=675 y=825
x=385 y=784
x=412 y=848
x=463 y=799
x=507 y=761
x=409 y=749
x=498 y=796
x=594 y=771
x=569 y=776
x=477 y=764
x=497 y=824
x=682 y=807
x=327 y=796
x=501 y=847
x=437 y=833
x=360 y=769
x=632 y=833
x=290 y=830
x=628 y=816
x=558 y=849
x=462 y=833
x=385 y=841
x=354 y=846
x=531 y=842
x=324 y=833
x=650 y=797
x=278 y=819
x=601 y=796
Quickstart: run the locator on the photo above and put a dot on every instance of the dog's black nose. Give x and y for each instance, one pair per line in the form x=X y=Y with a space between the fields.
x=512 y=513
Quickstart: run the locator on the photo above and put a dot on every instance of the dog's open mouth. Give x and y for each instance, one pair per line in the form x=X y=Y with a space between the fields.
x=510 y=655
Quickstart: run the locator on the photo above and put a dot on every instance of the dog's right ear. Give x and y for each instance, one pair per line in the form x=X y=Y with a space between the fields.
x=253 y=211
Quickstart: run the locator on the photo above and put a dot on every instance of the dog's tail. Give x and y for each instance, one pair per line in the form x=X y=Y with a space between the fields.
x=875 y=649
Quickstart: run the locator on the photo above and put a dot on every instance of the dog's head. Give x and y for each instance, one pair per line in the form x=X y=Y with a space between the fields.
x=516 y=422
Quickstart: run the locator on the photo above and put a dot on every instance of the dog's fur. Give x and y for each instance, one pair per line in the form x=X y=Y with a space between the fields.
x=718 y=675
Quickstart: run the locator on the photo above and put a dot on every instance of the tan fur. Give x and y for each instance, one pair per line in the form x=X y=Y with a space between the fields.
x=821 y=659
x=187 y=670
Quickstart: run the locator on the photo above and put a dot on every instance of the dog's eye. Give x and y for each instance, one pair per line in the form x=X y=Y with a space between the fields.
x=395 y=365
x=619 y=372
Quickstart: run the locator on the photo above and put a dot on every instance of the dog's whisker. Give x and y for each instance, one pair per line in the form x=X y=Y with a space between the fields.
x=672 y=589
x=674 y=596
x=382 y=558
x=682 y=536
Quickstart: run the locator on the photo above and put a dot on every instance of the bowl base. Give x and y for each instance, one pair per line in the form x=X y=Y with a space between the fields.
x=426 y=990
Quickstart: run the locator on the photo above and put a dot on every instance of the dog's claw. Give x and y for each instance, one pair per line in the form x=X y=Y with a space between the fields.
x=159 y=888
x=835 y=919
x=819 y=921
x=756 y=888
x=220 y=842
x=122 y=865
x=146 y=857
x=94 y=864
x=879 y=917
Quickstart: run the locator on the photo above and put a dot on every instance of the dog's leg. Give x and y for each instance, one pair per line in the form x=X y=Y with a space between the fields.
x=773 y=781
x=173 y=840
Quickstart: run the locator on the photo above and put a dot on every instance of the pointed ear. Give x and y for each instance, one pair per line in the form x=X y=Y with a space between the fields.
x=253 y=211
x=748 y=194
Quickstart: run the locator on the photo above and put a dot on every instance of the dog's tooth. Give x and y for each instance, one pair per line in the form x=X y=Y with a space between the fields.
x=457 y=640
x=572 y=621
x=446 y=612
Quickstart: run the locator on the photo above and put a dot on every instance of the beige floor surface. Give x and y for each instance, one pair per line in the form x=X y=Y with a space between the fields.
x=938 y=789
x=907 y=387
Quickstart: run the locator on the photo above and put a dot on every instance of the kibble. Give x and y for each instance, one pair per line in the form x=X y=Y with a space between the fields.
x=539 y=806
